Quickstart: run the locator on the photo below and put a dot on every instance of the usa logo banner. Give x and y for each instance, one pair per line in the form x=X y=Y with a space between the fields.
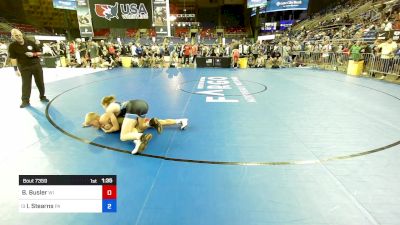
x=107 y=11
x=121 y=13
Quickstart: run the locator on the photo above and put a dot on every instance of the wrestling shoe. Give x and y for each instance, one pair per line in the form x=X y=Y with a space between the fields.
x=156 y=124
x=183 y=123
x=24 y=104
x=144 y=139
x=136 y=149
x=141 y=144
x=44 y=99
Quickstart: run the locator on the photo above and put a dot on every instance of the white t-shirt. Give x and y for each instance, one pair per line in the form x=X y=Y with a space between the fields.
x=388 y=50
x=246 y=49
x=388 y=26
x=3 y=48
x=325 y=50
x=133 y=50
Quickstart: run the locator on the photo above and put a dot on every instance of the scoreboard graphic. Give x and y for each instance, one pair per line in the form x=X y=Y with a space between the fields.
x=68 y=193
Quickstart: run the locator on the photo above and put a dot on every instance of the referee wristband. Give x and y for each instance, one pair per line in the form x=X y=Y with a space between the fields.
x=15 y=68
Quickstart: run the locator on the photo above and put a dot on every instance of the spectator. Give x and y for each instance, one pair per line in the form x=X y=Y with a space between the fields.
x=388 y=50
x=47 y=50
x=194 y=52
x=355 y=51
x=94 y=54
x=3 y=48
x=388 y=26
x=251 y=61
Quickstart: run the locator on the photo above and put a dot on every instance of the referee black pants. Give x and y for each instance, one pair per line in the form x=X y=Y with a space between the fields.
x=26 y=75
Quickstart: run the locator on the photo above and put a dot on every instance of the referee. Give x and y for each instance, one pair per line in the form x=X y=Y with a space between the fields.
x=25 y=53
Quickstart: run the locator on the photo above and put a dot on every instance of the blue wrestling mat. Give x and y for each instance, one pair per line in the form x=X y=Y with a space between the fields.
x=279 y=147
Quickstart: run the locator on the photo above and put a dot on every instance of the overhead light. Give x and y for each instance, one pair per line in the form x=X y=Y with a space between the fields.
x=172 y=18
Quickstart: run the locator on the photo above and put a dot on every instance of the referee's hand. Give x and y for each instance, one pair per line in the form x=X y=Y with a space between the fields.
x=29 y=54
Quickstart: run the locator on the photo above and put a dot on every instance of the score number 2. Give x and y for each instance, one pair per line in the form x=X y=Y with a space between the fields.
x=109 y=198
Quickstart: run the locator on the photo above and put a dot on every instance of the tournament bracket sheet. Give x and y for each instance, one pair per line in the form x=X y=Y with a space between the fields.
x=67 y=193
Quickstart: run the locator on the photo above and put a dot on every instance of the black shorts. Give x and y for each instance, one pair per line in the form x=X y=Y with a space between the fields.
x=137 y=107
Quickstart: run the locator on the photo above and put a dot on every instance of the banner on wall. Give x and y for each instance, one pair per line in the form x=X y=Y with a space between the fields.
x=263 y=10
x=121 y=13
x=190 y=15
x=266 y=37
x=385 y=35
x=268 y=27
x=256 y=3
x=160 y=17
x=285 y=24
x=396 y=35
x=84 y=18
x=64 y=4
x=370 y=35
x=282 y=5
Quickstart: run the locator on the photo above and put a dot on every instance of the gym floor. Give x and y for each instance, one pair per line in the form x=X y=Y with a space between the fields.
x=279 y=147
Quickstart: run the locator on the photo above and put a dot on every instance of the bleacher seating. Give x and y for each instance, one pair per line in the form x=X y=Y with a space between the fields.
x=26 y=28
x=102 y=32
x=181 y=31
x=131 y=32
x=207 y=33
